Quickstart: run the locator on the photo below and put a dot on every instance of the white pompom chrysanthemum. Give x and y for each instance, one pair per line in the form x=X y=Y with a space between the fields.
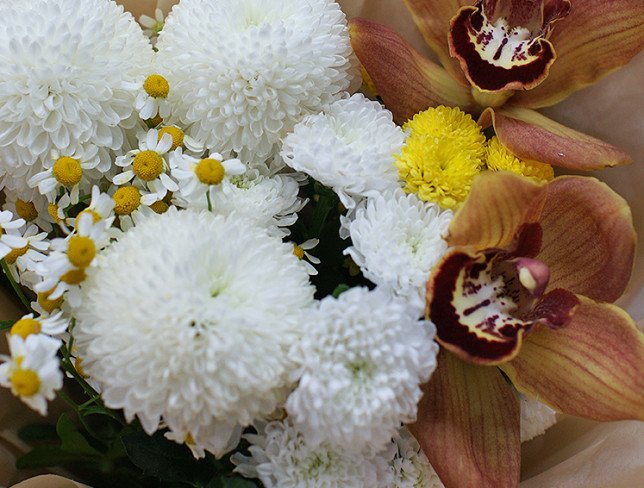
x=536 y=417
x=282 y=458
x=363 y=358
x=187 y=319
x=245 y=71
x=65 y=72
x=350 y=148
x=397 y=239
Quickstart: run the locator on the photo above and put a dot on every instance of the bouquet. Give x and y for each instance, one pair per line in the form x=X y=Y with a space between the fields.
x=257 y=244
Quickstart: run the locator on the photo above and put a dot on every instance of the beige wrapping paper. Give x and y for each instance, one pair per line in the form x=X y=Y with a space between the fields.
x=575 y=453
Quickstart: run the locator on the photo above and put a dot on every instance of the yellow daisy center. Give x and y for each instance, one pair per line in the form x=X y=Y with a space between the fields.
x=298 y=251
x=78 y=366
x=25 y=382
x=95 y=215
x=127 y=199
x=14 y=254
x=175 y=132
x=156 y=86
x=500 y=159
x=443 y=153
x=81 y=251
x=74 y=276
x=47 y=304
x=210 y=171
x=25 y=327
x=67 y=171
x=147 y=165
x=52 y=210
x=159 y=207
x=26 y=210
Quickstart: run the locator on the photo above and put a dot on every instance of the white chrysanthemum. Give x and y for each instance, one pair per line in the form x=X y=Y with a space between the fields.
x=270 y=63
x=282 y=458
x=396 y=240
x=270 y=202
x=65 y=72
x=202 y=309
x=536 y=417
x=362 y=360
x=350 y=148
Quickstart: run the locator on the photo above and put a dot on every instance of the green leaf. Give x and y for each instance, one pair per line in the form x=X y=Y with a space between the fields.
x=44 y=457
x=340 y=289
x=72 y=440
x=6 y=324
x=38 y=433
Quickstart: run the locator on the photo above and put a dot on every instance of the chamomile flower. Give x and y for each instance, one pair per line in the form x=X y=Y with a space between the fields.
x=350 y=148
x=10 y=237
x=152 y=99
x=536 y=417
x=152 y=25
x=148 y=167
x=397 y=239
x=281 y=457
x=307 y=259
x=270 y=64
x=32 y=371
x=32 y=209
x=100 y=207
x=22 y=262
x=52 y=325
x=205 y=337
x=362 y=360
x=196 y=175
x=45 y=305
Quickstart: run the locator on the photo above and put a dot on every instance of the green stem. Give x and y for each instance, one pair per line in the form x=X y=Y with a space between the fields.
x=25 y=301
x=208 y=199
x=6 y=324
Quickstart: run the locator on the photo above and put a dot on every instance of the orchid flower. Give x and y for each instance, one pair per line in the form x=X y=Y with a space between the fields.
x=526 y=285
x=502 y=59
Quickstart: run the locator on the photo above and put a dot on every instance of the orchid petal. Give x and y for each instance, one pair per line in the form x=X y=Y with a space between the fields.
x=595 y=39
x=588 y=238
x=532 y=136
x=498 y=205
x=407 y=81
x=432 y=17
x=590 y=368
x=468 y=426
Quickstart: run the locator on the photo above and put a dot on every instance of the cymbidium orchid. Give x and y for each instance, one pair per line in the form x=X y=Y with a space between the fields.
x=524 y=294
x=503 y=58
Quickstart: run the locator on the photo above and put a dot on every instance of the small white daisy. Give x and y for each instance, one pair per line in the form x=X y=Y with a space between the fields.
x=306 y=258
x=281 y=457
x=10 y=235
x=152 y=99
x=350 y=148
x=32 y=210
x=32 y=371
x=152 y=25
x=22 y=262
x=536 y=417
x=362 y=360
x=397 y=239
x=51 y=325
x=101 y=207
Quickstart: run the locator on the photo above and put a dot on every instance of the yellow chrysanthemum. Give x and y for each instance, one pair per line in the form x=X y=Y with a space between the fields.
x=500 y=159
x=443 y=153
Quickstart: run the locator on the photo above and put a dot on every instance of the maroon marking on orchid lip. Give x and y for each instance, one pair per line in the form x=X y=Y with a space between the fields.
x=555 y=308
x=528 y=240
x=485 y=75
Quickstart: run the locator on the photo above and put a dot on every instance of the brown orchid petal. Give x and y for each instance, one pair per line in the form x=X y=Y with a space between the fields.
x=588 y=238
x=498 y=205
x=407 y=81
x=497 y=55
x=432 y=18
x=590 y=368
x=597 y=37
x=529 y=135
x=468 y=426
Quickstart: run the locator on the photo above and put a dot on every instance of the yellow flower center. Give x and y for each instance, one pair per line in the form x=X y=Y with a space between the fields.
x=210 y=171
x=52 y=210
x=500 y=159
x=25 y=327
x=159 y=207
x=81 y=251
x=74 y=277
x=67 y=171
x=25 y=382
x=47 y=304
x=175 y=132
x=298 y=251
x=442 y=155
x=147 y=165
x=156 y=86
x=95 y=215
x=26 y=210
x=14 y=254
x=127 y=199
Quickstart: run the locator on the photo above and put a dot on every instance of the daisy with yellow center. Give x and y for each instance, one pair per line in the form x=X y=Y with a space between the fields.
x=444 y=151
x=29 y=206
x=307 y=259
x=152 y=98
x=101 y=207
x=32 y=371
x=52 y=325
x=180 y=139
x=146 y=168
x=44 y=304
x=195 y=176
x=498 y=158
x=23 y=261
x=10 y=236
